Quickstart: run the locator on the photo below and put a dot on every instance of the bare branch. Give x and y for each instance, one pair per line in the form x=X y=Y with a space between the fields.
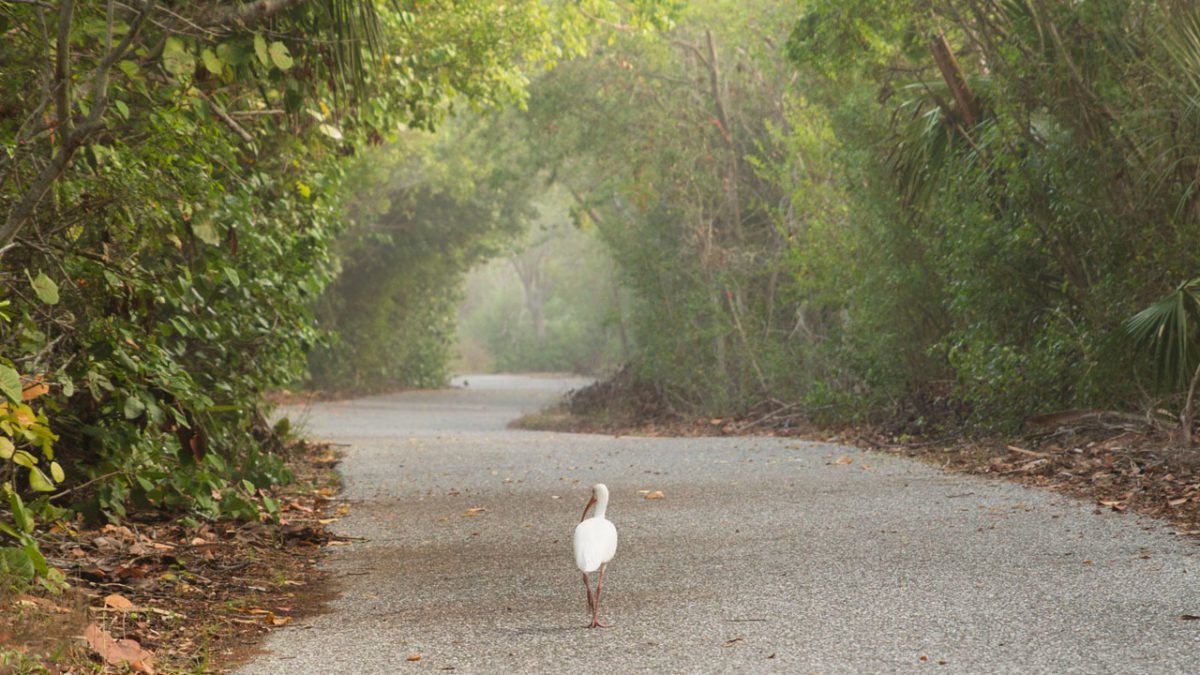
x=604 y=22
x=70 y=139
x=224 y=116
x=62 y=64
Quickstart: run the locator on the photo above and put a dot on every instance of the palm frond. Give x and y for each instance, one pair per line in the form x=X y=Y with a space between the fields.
x=1170 y=330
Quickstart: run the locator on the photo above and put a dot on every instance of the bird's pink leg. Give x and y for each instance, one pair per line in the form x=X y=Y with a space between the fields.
x=596 y=606
x=588 y=586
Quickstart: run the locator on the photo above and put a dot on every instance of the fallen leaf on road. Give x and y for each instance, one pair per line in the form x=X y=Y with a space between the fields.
x=1190 y=617
x=731 y=642
x=865 y=467
x=843 y=460
x=1177 y=502
x=414 y=657
x=657 y=494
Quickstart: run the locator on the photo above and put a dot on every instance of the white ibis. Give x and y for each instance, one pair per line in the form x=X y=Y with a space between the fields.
x=595 y=543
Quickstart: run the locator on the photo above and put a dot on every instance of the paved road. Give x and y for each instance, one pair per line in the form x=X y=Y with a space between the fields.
x=764 y=555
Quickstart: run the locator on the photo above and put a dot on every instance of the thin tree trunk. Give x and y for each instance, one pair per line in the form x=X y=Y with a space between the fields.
x=943 y=56
x=1189 y=410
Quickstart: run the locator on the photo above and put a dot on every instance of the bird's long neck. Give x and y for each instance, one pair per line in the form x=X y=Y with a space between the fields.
x=601 y=501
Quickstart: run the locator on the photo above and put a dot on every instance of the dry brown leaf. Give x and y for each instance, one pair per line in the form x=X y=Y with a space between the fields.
x=117 y=601
x=476 y=509
x=33 y=386
x=843 y=460
x=657 y=494
x=297 y=506
x=271 y=620
x=119 y=652
x=1177 y=502
x=1190 y=617
x=414 y=657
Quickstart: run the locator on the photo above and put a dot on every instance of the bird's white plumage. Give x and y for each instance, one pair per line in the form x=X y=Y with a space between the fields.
x=595 y=539
x=595 y=543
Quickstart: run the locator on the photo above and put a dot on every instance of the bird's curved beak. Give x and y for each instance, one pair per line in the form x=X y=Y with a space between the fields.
x=590 y=503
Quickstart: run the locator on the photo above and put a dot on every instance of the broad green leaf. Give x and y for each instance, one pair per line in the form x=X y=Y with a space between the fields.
x=206 y=233
x=10 y=383
x=212 y=63
x=24 y=459
x=231 y=54
x=15 y=562
x=232 y=275
x=134 y=407
x=38 y=481
x=36 y=557
x=176 y=59
x=260 y=50
x=20 y=514
x=46 y=289
x=6 y=448
x=280 y=56
x=56 y=472
x=331 y=131
x=271 y=505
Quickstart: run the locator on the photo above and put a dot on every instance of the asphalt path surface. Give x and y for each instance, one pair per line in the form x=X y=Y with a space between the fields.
x=763 y=555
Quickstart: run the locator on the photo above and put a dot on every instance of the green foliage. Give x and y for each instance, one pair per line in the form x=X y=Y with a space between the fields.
x=562 y=281
x=430 y=215
x=429 y=207
x=884 y=204
x=1170 y=330
x=1002 y=253
x=170 y=197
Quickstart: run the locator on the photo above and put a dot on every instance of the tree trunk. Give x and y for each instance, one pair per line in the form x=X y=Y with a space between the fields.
x=967 y=108
x=1189 y=410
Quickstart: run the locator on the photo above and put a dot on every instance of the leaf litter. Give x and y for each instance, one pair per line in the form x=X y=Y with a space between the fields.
x=157 y=594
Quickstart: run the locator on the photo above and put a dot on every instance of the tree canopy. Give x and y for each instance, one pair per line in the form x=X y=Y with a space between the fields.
x=171 y=180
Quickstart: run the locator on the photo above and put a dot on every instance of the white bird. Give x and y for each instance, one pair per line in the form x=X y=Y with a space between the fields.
x=595 y=543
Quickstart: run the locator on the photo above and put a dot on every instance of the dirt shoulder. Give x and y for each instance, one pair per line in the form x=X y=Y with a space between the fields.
x=173 y=595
